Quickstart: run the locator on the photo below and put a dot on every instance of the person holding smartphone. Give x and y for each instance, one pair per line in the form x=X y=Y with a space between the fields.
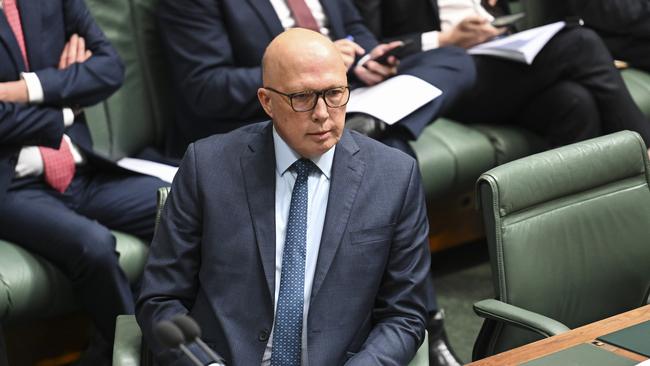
x=571 y=92
x=214 y=48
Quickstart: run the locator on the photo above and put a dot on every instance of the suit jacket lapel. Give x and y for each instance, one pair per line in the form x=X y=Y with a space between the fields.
x=336 y=26
x=258 y=170
x=268 y=15
x=7 y=37
x=30 y=16
x=347 y=173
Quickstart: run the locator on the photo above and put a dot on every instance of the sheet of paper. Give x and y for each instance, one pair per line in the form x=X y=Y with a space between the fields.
x=523 y=46
x=162 y=171
x=393 y=99
x=644 y=363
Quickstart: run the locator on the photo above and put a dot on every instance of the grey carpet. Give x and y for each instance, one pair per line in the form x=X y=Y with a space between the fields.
x=462 y=276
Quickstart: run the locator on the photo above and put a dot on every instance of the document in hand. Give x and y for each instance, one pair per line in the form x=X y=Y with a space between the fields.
x=522 y=47
x=393 y=99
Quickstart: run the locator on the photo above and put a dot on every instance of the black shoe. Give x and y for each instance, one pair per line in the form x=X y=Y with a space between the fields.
x=365 y=125
x=440 y=352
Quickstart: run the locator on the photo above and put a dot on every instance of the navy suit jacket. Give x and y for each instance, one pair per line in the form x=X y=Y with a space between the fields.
x=396 y=18
x=215 y=49
x=213 y=255
x=47 y=26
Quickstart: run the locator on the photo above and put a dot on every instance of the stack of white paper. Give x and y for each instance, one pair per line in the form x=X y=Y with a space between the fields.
x=393 y=99
x=162 y=171
x=522 y=47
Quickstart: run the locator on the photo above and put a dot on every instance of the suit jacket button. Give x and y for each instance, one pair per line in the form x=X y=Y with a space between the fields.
x=264 y=335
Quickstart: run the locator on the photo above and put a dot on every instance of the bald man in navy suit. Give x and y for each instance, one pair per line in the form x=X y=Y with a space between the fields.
x=347 y=287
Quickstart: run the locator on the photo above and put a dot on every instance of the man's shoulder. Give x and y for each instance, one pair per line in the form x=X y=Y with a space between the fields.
x=234 y=139
x=376 y=153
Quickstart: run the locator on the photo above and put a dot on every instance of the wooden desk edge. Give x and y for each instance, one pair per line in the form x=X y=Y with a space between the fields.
x=584 y=334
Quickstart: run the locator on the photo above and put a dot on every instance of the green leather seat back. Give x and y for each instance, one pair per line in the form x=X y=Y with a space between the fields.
x=136 y=116
x=568 y=233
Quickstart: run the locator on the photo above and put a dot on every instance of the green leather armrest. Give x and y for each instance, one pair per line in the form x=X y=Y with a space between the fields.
x=422 y=356
x=128 y=339
x=513 y=315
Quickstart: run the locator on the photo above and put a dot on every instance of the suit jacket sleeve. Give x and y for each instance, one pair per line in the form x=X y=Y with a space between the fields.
x=90 y=82
x=631 y=17
x=203 y=66
x=22 y=124
x=170 y=279
x=370 y=11
x=400 y=311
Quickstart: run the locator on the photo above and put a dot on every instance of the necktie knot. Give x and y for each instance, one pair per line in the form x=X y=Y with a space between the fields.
x=303 y=167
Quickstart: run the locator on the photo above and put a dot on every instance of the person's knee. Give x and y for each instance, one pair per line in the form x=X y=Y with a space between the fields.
x=464 y=64
x=576 y=109
x=95 y=250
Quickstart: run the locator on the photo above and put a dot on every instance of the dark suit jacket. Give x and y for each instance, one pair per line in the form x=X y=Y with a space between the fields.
x=389 y=19
x=213 y=254
x=47 y=26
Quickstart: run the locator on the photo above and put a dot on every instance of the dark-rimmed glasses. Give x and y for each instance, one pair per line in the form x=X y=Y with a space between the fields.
x=305 y=101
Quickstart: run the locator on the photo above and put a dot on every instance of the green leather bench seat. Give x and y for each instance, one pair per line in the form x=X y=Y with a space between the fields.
x=451 y=155
x=32 y=288
x=638 y=83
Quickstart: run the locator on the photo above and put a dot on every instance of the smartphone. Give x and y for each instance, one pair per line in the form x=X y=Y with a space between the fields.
x=507 y=20
x=398 y=52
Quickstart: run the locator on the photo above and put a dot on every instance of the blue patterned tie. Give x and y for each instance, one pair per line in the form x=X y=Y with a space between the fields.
x=287 y=333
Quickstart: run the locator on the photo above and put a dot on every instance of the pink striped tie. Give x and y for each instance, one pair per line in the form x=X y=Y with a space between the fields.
x=13 y=17
x=58 y=165
x=302 y=15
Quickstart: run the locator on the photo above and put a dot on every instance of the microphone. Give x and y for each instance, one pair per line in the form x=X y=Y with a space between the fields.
x=192 y=332
x=169 y=335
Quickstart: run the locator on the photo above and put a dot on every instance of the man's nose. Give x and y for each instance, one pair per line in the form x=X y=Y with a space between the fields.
x=320 y=112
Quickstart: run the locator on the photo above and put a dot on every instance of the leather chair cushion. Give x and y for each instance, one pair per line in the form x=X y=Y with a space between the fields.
x=31 y=287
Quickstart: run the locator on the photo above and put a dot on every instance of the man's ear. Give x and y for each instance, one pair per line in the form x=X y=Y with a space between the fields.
x=265 y=100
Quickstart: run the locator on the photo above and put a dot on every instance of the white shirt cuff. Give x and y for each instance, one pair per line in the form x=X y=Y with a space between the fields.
x=430 y=40
x=364 y=59
x=68 y=117
x=34 y=87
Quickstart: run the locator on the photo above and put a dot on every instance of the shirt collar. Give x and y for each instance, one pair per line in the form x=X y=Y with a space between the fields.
x=285 y=156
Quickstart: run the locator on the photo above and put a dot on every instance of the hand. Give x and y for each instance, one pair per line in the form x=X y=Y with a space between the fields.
x=492 y=2
x=372 y=72
x=349 y=51
x=14 y=92
x=74 y=52
x=469 y=32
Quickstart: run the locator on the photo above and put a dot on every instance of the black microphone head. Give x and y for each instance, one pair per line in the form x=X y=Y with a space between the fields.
x=188 y=326
x=168 y=334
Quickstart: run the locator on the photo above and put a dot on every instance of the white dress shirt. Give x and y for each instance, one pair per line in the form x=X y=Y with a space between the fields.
x=318 y=187
x=453 y=12
x=283 y=12
x=30 y=161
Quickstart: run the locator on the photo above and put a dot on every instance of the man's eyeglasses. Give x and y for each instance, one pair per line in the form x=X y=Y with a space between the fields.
x=305 y=101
